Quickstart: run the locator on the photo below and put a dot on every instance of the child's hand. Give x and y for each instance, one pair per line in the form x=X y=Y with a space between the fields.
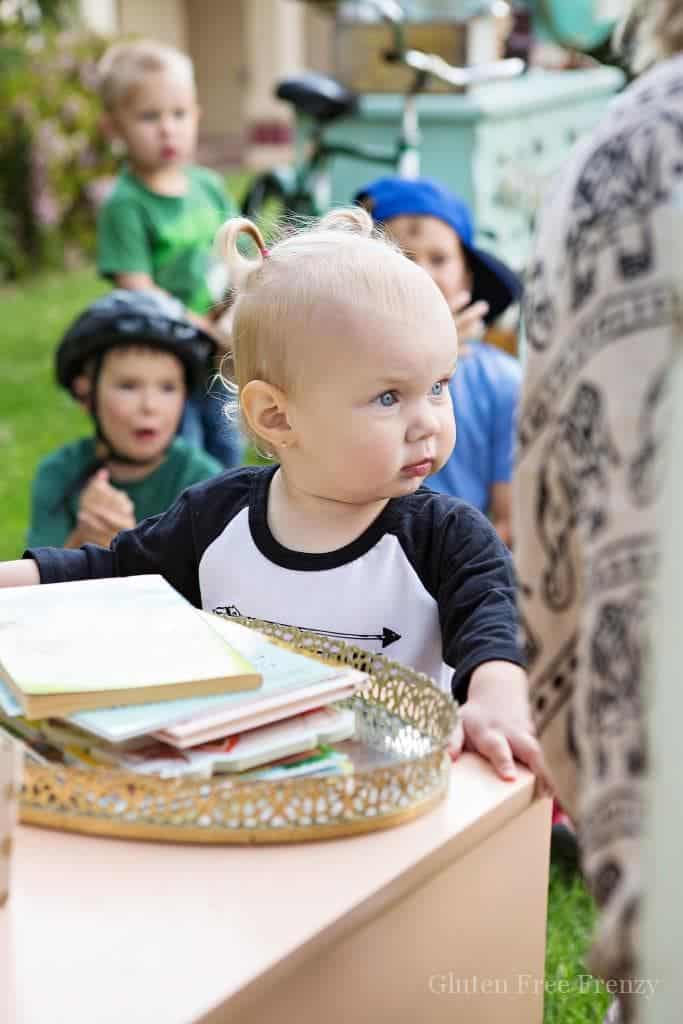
x=103 y=511
x=215 y=329
x=496 y=720
x=469 y=319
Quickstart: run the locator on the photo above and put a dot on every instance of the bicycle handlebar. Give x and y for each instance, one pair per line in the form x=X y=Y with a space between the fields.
x=431 y=64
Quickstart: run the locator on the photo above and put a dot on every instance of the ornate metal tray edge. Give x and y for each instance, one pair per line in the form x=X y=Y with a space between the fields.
x=225 y=810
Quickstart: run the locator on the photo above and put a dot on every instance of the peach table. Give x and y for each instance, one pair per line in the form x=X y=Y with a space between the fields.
x=441 y=919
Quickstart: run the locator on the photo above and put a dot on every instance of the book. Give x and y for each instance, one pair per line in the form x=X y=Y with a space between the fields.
x=70 y=647
x=272 y=742
x=229 y=721
x=324 y=761
x=284 y=744
x=292 y=683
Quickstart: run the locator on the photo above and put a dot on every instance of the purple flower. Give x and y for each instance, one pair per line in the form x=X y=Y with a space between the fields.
x=46 y=209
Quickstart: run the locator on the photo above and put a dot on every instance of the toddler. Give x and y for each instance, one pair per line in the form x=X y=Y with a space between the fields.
x=434 y=227
x=157 y=227
x=343 y=353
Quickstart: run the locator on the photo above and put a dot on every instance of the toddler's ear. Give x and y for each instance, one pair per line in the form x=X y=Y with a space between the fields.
x=112 y=133
x=265 y=409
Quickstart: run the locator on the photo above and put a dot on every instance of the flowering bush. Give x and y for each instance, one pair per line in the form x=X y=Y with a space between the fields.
x=53 y=158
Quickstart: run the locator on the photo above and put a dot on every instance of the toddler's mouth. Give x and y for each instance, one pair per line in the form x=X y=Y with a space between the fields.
x=422 y=468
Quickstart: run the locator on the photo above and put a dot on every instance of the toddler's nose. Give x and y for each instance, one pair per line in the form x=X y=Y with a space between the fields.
x=425 y=423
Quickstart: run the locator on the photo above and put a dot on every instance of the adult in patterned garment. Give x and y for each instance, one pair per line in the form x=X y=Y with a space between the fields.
x=600 y=311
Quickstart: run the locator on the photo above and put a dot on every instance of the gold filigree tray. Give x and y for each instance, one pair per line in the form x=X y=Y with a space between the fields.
x=400 y=770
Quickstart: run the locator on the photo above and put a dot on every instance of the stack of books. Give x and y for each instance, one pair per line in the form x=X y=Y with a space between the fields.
x=125 y=672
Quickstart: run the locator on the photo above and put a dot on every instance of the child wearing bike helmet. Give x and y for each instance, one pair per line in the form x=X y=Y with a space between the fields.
x=343 y=350
x=132 y=359
x=434 y=228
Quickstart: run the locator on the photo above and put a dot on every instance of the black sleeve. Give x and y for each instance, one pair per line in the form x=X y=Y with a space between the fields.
x=476 y=597
x=162 y=544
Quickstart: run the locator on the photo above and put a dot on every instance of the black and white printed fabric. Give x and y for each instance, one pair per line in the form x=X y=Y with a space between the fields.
x=429 y=583
x=600 y=311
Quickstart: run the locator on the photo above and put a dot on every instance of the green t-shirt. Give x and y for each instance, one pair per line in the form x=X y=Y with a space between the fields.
x=167 y=237
x=54 y=498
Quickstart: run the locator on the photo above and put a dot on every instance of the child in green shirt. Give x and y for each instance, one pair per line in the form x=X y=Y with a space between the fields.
x=132 y=358
x=156 y=229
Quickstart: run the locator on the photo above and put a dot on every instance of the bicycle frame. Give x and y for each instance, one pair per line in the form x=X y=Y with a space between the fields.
x=307 y=188
x=312 y=175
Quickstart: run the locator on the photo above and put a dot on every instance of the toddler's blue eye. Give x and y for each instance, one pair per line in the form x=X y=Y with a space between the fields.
x=387 y=399
x=437 y=388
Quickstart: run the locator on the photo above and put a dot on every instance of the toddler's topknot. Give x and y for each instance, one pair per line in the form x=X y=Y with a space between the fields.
x=353 y=220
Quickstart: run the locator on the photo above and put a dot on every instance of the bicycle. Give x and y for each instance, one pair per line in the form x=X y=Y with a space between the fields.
x=305 y=187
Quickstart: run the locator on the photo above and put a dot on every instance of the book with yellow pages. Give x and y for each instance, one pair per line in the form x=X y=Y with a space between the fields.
x=69 y=647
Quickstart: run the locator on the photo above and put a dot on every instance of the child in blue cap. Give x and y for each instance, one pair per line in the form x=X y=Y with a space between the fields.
x=434 y=228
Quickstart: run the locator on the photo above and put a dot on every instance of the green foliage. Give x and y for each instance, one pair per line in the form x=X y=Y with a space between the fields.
x=53 y=157
x=33 y=14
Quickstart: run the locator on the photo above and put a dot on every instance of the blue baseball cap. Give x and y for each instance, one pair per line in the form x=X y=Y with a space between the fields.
x=492 y=280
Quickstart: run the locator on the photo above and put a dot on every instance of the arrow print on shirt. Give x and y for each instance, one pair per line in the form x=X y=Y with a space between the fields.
x=386 y=637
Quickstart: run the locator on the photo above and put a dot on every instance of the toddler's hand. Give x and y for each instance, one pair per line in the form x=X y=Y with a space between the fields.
x=103 y=511
x=469 y=319
x=496 y=720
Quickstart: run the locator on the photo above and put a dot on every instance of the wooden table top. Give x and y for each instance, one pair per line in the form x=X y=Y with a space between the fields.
x=110 y=931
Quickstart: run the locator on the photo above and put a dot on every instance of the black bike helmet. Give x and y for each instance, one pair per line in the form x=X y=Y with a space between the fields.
x=129 y=318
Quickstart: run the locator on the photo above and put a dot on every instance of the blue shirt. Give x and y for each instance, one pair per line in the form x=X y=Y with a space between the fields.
x=485 y=391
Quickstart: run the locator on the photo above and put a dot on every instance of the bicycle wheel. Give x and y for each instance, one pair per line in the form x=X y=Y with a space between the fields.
x=266 y=203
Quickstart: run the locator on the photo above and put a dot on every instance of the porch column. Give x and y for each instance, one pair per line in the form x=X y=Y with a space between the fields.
x=274 y=45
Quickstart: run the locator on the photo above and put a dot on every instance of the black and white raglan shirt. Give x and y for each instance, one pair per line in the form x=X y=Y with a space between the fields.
x=429 y=583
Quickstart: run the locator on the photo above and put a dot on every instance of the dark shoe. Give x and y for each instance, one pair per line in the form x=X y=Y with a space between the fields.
x=564 y=847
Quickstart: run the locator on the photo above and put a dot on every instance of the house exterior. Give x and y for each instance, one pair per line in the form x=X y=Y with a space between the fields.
x=240 y=48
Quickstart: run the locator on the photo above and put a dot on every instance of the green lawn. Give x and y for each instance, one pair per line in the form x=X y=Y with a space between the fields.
x=36 y=417
x=569 y=999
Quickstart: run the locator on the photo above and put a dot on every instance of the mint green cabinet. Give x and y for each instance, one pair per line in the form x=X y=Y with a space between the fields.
x=497 y=145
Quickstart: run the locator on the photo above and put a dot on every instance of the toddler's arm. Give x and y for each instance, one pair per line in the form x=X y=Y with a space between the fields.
x=162 y=544
x=479 y=624
x=22 y=573
x=496 y=721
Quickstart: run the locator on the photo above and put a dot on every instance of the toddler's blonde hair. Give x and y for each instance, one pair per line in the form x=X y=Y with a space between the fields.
x=124 y=65
x=341 y=258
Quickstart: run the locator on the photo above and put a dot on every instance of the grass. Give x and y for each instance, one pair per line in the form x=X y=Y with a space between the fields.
x=571 y=998
x=36 y=417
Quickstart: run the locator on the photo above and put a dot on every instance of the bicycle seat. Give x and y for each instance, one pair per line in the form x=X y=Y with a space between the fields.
x=317 y=95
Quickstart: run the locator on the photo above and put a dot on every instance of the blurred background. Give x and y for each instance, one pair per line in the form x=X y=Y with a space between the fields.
x=55 y=166
x=498 y=145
